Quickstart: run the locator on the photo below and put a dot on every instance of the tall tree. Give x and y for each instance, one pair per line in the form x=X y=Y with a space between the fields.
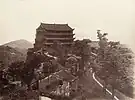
x=81 y=48
x=112 y=61
x=15 y=69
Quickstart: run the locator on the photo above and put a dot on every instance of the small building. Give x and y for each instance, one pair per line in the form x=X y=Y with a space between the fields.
x=47 y=34
x=54 y=81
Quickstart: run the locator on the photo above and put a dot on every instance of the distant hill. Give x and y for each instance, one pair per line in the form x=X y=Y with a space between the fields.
x=20 y=45
x=14 y=51
x=9 y=55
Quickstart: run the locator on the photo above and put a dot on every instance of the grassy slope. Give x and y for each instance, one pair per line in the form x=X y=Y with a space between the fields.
x=120 y=95
x=93 y=89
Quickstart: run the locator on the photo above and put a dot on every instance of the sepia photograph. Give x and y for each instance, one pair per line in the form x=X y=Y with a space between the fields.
x=67 y=49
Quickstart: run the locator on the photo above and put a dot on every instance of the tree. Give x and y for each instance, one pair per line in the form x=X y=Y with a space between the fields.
x=15 y=69
x=25 y=70
x=61 y=51
x=35 y=60
x=113 y=64
x=80 y=48
x=101 y=58
x=27 y=76
x=125 y=63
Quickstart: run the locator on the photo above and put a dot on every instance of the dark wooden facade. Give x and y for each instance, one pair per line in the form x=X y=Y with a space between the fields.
x=47 y=34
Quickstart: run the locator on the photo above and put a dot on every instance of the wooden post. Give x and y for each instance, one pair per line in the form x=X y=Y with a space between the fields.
x=76 y=83
x=48 y=79
x=104 y=89
x=112 y=92
x=48 y=75
x=37 y=83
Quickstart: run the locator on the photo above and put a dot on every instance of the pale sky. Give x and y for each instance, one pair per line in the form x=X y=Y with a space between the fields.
x=20 y=18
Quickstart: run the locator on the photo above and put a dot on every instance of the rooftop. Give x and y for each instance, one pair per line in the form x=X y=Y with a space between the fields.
x=55 y=27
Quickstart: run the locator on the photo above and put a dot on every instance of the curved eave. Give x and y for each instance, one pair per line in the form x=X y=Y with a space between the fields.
x=73 y=29
x=39 y=27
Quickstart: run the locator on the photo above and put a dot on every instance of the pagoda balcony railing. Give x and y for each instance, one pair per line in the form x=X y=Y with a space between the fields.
x=59 y=38
x=59 y=34
x=60 y=43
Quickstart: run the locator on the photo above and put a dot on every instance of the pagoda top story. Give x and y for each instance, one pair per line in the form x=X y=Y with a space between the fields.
x=54 y=27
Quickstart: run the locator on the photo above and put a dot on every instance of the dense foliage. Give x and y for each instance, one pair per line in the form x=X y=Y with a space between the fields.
x=111 y=62
x=9 y=55
x=81 y=48
x=116 y=65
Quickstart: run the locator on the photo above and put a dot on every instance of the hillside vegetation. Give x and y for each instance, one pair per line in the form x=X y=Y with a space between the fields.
x=109 y=61
x=9 y=55
x=20 y=45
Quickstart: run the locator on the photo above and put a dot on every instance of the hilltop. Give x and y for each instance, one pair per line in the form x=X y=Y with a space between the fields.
x=20 y=45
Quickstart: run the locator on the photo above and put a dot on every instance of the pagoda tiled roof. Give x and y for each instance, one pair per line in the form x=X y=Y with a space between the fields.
x=55 y=27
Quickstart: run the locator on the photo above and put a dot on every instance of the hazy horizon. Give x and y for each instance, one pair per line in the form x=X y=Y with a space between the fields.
x=20 y=18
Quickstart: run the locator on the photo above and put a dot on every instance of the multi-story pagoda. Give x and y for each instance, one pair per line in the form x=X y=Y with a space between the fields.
x=47 y=34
